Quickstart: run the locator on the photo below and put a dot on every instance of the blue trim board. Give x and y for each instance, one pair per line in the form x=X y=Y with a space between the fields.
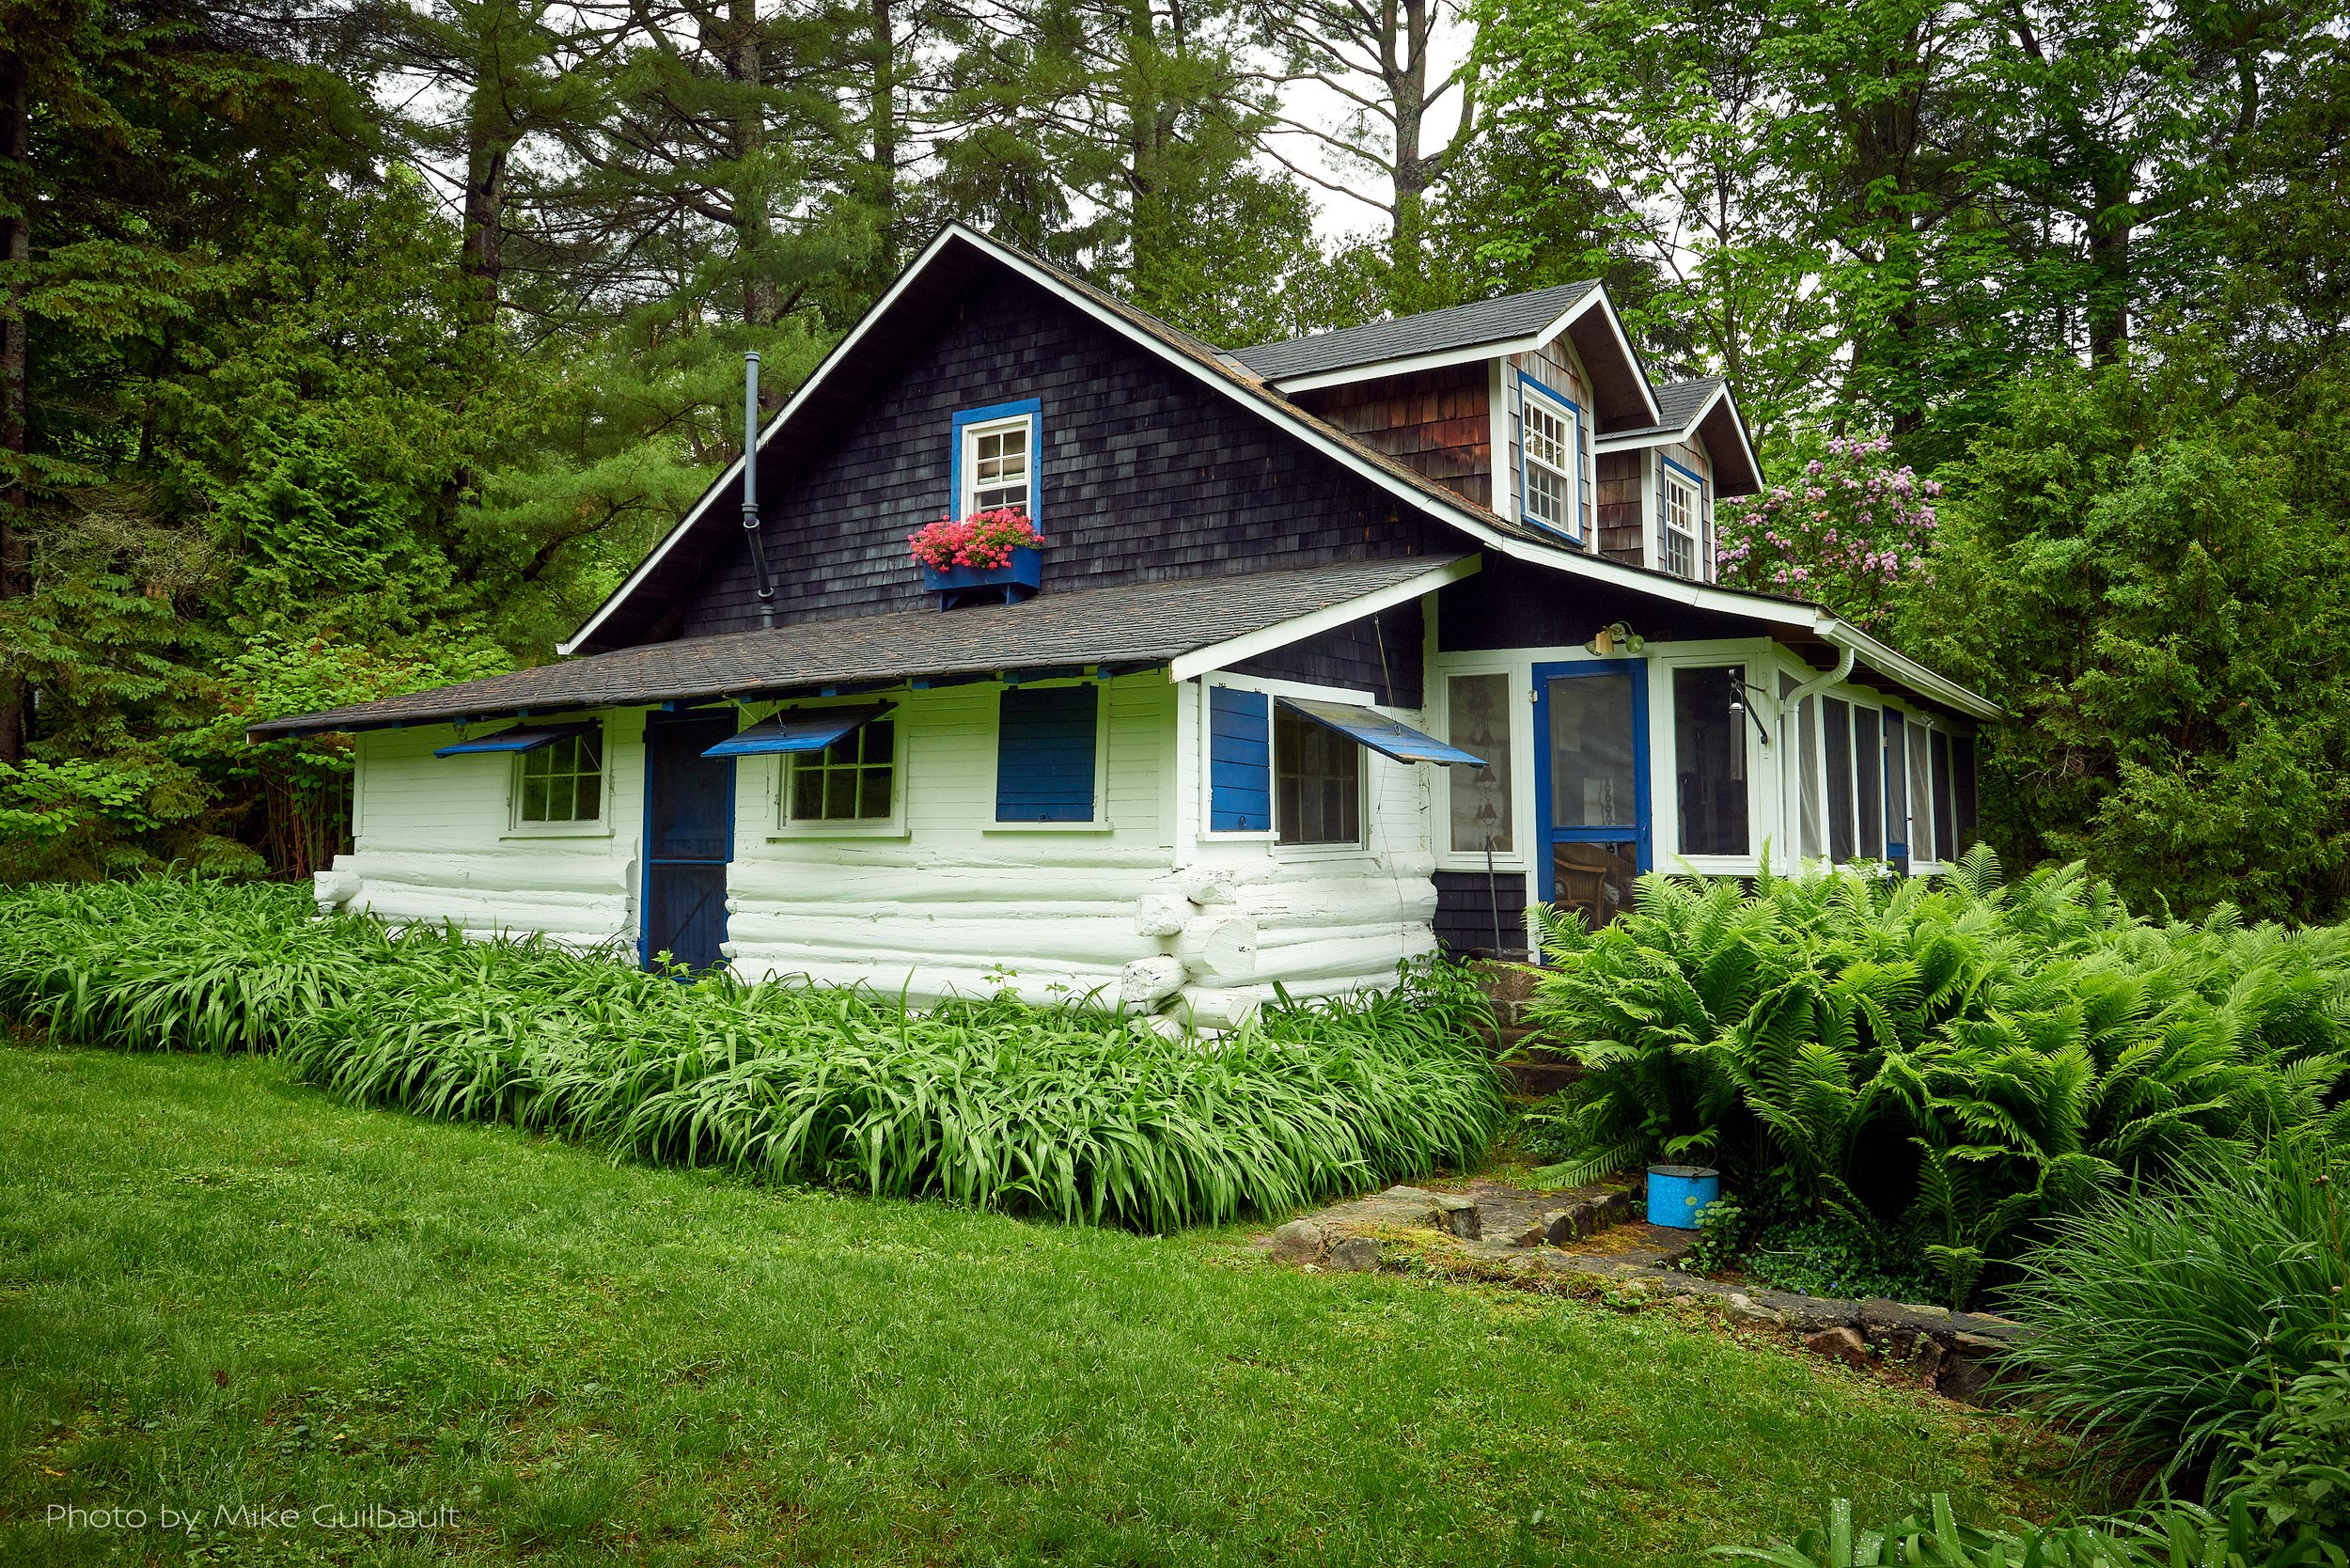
x=1642 y=832
x=1045 y=752
x=1384 y=735
x=1240 y=761
x=1574 y=418
x=1034 y=408
x=799 y=729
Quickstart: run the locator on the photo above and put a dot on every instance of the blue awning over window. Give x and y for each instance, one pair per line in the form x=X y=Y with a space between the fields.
x=799 y=729
x=527 y=737
x=1379 y=732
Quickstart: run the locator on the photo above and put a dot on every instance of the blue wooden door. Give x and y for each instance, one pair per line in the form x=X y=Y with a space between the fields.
x=1592 y=784
x=689 y=837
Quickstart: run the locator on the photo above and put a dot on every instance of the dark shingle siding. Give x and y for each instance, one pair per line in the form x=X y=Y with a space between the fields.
x=1463 y=326
x=1469 y=906
x=1148 y=476
x=1380 y=655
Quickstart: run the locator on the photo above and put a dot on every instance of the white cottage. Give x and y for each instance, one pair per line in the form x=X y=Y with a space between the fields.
x=1334 y=652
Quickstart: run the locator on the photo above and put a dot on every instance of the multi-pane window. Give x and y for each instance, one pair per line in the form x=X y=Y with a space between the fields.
x=849 y=781
x=1478 y=709
x=563 y=782
x=1548 y=446
x=996 y=467
x=1685 y=523
x=1317 y=782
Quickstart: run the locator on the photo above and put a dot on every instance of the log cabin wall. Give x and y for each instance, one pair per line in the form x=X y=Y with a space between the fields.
x=1437 y=421
x=1623 y=526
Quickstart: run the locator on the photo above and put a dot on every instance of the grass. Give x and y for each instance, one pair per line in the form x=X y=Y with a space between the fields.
x=219 y=1287
x=1076 y=1112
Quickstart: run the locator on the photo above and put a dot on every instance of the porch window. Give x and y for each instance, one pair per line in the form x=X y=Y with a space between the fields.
x=1945 y=834
x=1840 y=781
x=1685 y=521
x=1044 y=754
x=1799 y=776
x=1710 y=758
x=1318 y=783
x=996 y=457
x=1869 y=780
x=1922 y=838
x=1962 y=790
x=1897 y=845
x=562 y=782
x=1478 y=710
x=849 y=781
x=1549 y=448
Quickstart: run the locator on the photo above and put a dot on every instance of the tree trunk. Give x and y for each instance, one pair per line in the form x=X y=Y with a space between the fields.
x=1406 y=71
x=881 y=111
x=754 y=232
x=482 y=255
x=16 y=250
x=2108 y=303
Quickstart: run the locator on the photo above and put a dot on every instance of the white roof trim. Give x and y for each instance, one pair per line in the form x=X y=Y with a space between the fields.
x=1908 y=671
x=1498 y=348
x=1704 y=596
x=1638 y=439
x=1233 y=651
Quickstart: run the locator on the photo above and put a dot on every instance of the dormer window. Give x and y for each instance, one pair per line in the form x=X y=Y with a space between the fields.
x=995 y=459
x=1550 y=443
x=1682 y=502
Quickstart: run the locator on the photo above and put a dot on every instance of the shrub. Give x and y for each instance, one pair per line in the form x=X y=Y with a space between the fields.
x=2178 y=1324
x=1835 y=1255
x=1079 y=1113
x=2177 y=1535
x=1963 y=1060
x=2293 y=1471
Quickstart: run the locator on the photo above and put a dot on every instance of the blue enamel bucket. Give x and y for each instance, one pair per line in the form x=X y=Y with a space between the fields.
x=1677 y=1193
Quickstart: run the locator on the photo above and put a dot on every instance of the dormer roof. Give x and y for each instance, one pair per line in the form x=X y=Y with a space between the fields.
x=1485 y=325
x=1702 y=410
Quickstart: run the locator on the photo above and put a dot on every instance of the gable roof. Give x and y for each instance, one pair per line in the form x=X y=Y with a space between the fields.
x=1133 y=624
x=935 y=282
x=1705 y=408
x=1463 y=326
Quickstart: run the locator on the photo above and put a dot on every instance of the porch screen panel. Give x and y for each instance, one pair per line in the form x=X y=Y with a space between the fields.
x=1839 y=782
x=1240 y=761
x=1922 y=844
x=1897 y=844
x=1044 y=761
x=1868 y=777
x=1478 y=707
x=1962 y=790
x=1709 y=758
x=1808 y=755
x=1945 y=839
x=1593 y=777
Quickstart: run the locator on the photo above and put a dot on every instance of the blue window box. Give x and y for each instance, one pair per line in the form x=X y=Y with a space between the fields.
x=1009 y=584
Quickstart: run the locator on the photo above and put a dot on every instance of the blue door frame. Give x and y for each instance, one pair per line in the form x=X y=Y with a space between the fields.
x=1639 y=831
x=689 y=837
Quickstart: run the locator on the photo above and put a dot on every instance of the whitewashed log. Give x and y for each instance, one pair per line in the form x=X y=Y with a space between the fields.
x=1215 y=1007
x=1218 y=947
x=1148 y=981
x=333 y=889
x=1206 y=885
x=1161 y=914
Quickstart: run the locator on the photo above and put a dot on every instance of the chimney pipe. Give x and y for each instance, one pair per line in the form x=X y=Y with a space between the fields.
x=750 y=488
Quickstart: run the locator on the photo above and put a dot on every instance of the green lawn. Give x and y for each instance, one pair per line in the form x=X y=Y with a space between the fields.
x=221 y=1289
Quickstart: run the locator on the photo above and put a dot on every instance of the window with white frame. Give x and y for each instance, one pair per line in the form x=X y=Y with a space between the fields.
x=561 y=782
x=1548 y=452
x=1317 y=782
x=997 y=464
x=1683 y=506
x=851 y=780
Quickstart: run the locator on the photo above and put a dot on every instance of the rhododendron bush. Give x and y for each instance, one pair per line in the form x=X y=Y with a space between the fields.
x=985 y=540
x=1844 y=533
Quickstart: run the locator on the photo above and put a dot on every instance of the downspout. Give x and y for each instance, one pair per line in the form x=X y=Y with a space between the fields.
x=1793 y=700
x=750 y=491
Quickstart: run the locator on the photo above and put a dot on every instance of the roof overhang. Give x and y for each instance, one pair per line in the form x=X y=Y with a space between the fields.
x=1619 y=385
x=1717 y=423
x=1240 y=649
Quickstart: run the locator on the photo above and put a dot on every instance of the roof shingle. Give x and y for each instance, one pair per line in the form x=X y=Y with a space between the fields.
x=1463 y=326
x=1142 y=623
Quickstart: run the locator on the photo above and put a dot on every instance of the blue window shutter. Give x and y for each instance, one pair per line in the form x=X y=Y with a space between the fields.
x=1240 y=761
x=1044 y=754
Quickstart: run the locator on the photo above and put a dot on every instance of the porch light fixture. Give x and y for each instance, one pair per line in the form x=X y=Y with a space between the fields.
x=1614 y=639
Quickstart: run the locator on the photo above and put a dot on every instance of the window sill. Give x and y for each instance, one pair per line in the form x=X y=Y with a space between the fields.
x=1474 y=860
x=1238 y=836
x=1324 y=851
x=559 y=830
x=1046 y=827
x=838 y=830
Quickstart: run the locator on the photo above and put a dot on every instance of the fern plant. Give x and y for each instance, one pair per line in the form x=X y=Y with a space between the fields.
x=1966 y=1059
